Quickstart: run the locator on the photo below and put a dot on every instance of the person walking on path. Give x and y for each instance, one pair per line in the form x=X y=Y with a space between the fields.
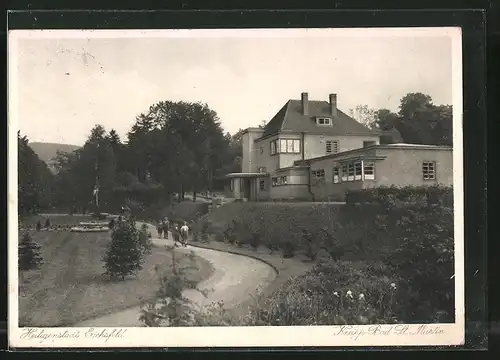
x=159 y=229
x=166 y=226
x=184 y=234
x=176 y=234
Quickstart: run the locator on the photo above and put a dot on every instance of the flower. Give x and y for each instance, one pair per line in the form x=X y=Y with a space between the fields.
x=349 y=294
x=393 y=286
x=361 y=296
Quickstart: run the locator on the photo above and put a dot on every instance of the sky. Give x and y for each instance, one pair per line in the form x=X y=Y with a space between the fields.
x=66 y=83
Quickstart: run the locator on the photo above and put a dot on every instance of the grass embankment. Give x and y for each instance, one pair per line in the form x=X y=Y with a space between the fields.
x=268 y=250
x=69 y=286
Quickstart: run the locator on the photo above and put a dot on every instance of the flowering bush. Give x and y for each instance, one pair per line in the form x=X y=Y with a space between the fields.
x=332 y=293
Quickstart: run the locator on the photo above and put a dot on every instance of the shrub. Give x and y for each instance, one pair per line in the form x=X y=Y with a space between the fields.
x=38 y=225
x=219 y=237
x=255 y=240
x=425 y=259
x=311 y=249
x=205 y=229
x=332 y=293
x=411 y=230
x=124 y=255
x=111 y=224
x=173 y=308
x=145 y=239
x=47 y=223
x=289 y=248
x=29 y=253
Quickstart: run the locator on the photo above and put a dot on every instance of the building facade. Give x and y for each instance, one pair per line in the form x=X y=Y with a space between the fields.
x=310 y=150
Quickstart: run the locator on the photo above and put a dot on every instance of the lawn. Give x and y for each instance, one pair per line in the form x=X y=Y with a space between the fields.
x=69 y=286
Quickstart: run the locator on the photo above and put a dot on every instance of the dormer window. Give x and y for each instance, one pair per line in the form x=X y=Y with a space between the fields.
x=324 y=121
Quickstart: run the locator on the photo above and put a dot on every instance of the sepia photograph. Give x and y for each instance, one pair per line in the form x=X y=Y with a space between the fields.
x=257 y=187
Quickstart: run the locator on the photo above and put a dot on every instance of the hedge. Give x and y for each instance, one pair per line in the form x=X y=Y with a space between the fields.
x=381 y=195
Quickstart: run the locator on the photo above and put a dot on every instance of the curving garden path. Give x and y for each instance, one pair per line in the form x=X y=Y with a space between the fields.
x=234 y=279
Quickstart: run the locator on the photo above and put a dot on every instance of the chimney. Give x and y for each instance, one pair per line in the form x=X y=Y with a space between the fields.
x=305 y=103
x=333 y=104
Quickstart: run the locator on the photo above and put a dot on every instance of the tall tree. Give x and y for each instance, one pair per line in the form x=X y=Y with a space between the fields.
x=180 y=144
x=417 y=121
x=364 y=115
x=35 y=181
x=385 y=119
x=422 y=122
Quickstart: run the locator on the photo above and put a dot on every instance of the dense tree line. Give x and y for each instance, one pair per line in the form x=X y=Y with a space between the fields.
x=177 y=147
x=418 y=121
x=174 y=147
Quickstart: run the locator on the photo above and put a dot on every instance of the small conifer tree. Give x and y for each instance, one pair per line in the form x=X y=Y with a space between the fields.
x=124 y=255
x=28 y=253
x=38 y=226
x=47 y=223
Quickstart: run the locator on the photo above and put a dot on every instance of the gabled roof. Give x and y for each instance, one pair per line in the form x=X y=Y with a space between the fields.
x=290 y=119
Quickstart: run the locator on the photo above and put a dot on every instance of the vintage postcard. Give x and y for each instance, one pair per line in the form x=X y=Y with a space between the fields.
x=235 y=188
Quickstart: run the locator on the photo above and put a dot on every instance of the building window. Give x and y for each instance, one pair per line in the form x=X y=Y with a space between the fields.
x=231 y=185
x=332 y=146
x=282 y=146
x=262 y=185
x=280 y=180
x=323 y=121
x=350 y=172
x=369 y=170
x=429 y=170
x=336 y=175
x=285 y=146
x=318 y=174
x=274 y=149
x=344 y=172
x=296 y=146
x=358 y=170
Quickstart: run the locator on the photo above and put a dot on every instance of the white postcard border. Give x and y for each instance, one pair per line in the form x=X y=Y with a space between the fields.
x=293 y=336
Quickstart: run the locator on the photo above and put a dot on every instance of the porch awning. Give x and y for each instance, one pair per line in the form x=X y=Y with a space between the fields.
x=246 y=175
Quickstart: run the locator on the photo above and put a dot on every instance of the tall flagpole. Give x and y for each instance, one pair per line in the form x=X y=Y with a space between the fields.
x=96 y=187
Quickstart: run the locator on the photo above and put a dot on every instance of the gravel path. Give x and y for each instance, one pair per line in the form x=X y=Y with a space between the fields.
x=235 y=277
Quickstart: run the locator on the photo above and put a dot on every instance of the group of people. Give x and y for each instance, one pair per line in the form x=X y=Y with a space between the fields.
x=179 y=233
